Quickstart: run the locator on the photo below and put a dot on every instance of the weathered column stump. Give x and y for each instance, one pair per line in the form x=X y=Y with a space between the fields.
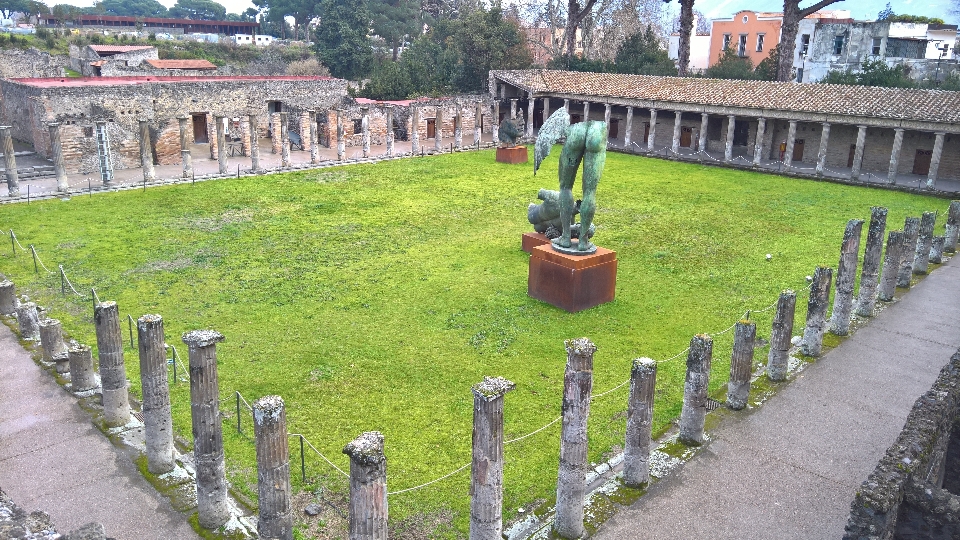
x=911 y=231
x=953 y=227
x=870 y=273
x=158 y=424
x=571 y=482
x=486 y=471
x=368 y=487
x=8 y=298
x=28 y=320
x=636 y=451
x=273 y=469
x=113 y=376
x=936 y=249
x=741 y=364
x=212 y=504
x=51 y=341
x=778 y=360
x=812 y=342
x=846 y=275
x=82 y=375
x=924 y=240
x=695 y=388
x=891 y=266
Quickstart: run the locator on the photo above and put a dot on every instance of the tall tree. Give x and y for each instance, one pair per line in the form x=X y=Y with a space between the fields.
x=128 y=8
x=792 y=15
x=686 y=30
x=575 y=15
x=198 y=10
x=394 y=20
x=342 y=41
x=485 y=41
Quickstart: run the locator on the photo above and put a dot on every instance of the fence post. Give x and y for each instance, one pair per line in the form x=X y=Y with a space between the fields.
x=780 y=334
x=116 y=405
x=303 y=463
x=812 y=342
x=486 y=472
x=891 y=265
x=273 y=469
x=207 y=432
x=846 y=274
x=925 y=238
x=636 y=451
x=8 y=298
x=953 y=227
x=741 y=364
x=13 y=243
x=936 y=249
x=911 y=230
x=571 y=482
x=368 y=487
x=29 y=321
x=82 y=376
x=36 y=269
x=867 y=298
x=695 y=388
x=51 y=341
x=237 y=396
x=158 y=424
x=63 y=281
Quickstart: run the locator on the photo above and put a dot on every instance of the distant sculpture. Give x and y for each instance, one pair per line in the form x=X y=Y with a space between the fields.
x=510 y=132
x=545 y=217
x=586 y=142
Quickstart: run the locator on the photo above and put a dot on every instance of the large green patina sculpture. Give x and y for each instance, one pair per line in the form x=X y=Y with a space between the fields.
x=586 y=142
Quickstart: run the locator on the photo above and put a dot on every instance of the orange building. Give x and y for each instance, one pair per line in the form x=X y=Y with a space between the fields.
x=750 y=33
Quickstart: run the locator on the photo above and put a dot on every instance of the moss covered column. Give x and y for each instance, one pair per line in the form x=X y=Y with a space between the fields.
x=911 y=231
x=116 y=402
x=921 y=257
x=273 y=469
x=28 y=321
x=51 y=342
x=870 y=273
x=10 y=162
x=936 y=249
x=741 y=364
x=846 y=275
x=368 y=487
x=486 y=472
x=8 y=298
x=571 y=481
x=693 y=414
x=891 y=265
x=636 y=450
x=82 y=376
x=780 y=334
x=812 y=341
x=158 y=425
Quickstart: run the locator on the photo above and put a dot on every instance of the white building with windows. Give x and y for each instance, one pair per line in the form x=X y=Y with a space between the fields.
x=260 y=40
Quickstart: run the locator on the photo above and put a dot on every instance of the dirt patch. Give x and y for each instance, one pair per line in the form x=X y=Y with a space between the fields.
x=331 y=521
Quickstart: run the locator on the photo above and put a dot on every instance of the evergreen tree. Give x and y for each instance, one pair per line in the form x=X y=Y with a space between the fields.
x=641 y=54
x=486 y=40
x=731 y=66
x=206 y=10
x=394 y=21
x=342 y=42
x=767 y=68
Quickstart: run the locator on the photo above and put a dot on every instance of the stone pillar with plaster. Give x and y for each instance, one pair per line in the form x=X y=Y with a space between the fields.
x=495 y=130
x=702 y=139
x=52 y=346
x=693 y=413
x=531 y=102
x=486 y=472
x=146 y=152
x=389 y=132
x=28 y=321
x=546 y=109
x=758 y=144
x=677 y=121
x=791 y=140
x=157 y=422
x=8 y=298
x=186 y=160
x=365 y=130
x=276 y=143
x=254 y=143
x=935 y=160
x=367 y=512
x=895 y=156
x=911 y=232
x=586 y=111
x=314 y=138
x=858 y=152
x=82 y=376
x=822 y=151
x=10 y=162
x=438 y=132
x=571 y=482
x=652 y=134
x=891 y=265
x=513 y=109
x=728 y=147
x=221 y=145
x=56 y=153
x=458 y=127
x=478 y=124
x=778 y=359
x=638 y=443
x=116 y=402
x=285 y=140
x=952 y=230
x=812 y=341
x=846 y=274
x=414 y=130
x=628 y=130
x=341 y=134
x=741 y=364
x=870 y=273
x=921 y=257
x=275 y=516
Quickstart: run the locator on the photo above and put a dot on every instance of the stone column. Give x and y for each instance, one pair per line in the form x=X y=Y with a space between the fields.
x=936 y=250
x=365 y=129
x=652 y=135
x=13 y=179
x=677 y=121
x=869 y=275
x=157 y=423
x=546 y=109
x=513 y=109
x=28 y=319
x=702 y=139
x=952 y=231
x=531 y=102
x=728 y=148
x=924 y=239
x=458 y=127
x=113 y=375
x=315 y=138
x=56 y=152
x=586 y=111
x=846 y=274
x=185 y=158
x=782 y=331
x=212 y=502
x=222 y=145
x=891 y=264
x=636 y=450
x=486 y=473
x=895 y=155
x=146 y=152
x=212 y=135
x=822 y=151
x=858 y=152
x=628 y=131
x=82 y=376
x=368 y=487
x=341 y=133
x=791 y=139
x=606 y=114
x=935 y=160
x=273 y=469
x=758 y=144
x=566 y=105
x=911 y=231
x=254 y=143
x=438 y=139
x=276 y=139
x=741 y=364
x=8 y=298
x=415 y=130
x=812 y=342
x=389 y=133
x=51 y=343
x=478 y=122
x=495 y=130
x=695 y=388
x=571 y=482
x=285 y=141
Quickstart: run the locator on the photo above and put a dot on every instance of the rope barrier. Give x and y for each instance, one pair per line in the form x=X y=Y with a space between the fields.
x=17 y=240
x=421 y=486
x=245 y=403
x=306 y=440
x=40 y=261
x=67 y=280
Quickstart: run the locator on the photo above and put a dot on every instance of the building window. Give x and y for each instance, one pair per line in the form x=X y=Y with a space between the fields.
x=876 y=46
x=804 y=44
x=742 y=45
x=838 y=45
x=726 y=41
x=759 y=42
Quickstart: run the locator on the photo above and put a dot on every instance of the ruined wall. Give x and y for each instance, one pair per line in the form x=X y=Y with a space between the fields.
x=31 y=63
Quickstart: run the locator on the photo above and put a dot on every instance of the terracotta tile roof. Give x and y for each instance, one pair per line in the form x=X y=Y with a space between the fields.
x=810 y=98
x=117 y=49
x=181 y=64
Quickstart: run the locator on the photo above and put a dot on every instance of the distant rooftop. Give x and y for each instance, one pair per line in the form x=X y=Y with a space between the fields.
x=110 y=50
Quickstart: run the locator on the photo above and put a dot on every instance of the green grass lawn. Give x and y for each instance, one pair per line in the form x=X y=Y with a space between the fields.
x=372 y=297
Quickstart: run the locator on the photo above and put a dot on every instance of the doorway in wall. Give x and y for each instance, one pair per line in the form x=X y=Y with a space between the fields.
x=686 y=137
x=921 y=163
x=431 y=128
x=200 y=128
x=798 y=150
x=741 y=132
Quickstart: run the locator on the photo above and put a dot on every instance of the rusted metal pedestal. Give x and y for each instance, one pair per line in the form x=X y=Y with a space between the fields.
x=572 y=283
x=512 y=154
x=530 y=240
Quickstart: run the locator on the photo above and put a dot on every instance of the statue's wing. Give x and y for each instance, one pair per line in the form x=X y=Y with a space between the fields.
x=555 y=127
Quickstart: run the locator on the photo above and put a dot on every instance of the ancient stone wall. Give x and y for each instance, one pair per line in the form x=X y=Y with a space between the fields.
x=31 y=63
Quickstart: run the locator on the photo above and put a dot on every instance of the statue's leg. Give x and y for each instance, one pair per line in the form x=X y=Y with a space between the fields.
x=570 y=158
x=595 y=156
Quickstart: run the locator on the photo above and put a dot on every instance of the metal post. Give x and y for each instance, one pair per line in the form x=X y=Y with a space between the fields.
x=36 y=269
x=303 y=463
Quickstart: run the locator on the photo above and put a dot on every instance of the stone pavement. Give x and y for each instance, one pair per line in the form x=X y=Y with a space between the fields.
x=53 y=459
x=790 y=469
